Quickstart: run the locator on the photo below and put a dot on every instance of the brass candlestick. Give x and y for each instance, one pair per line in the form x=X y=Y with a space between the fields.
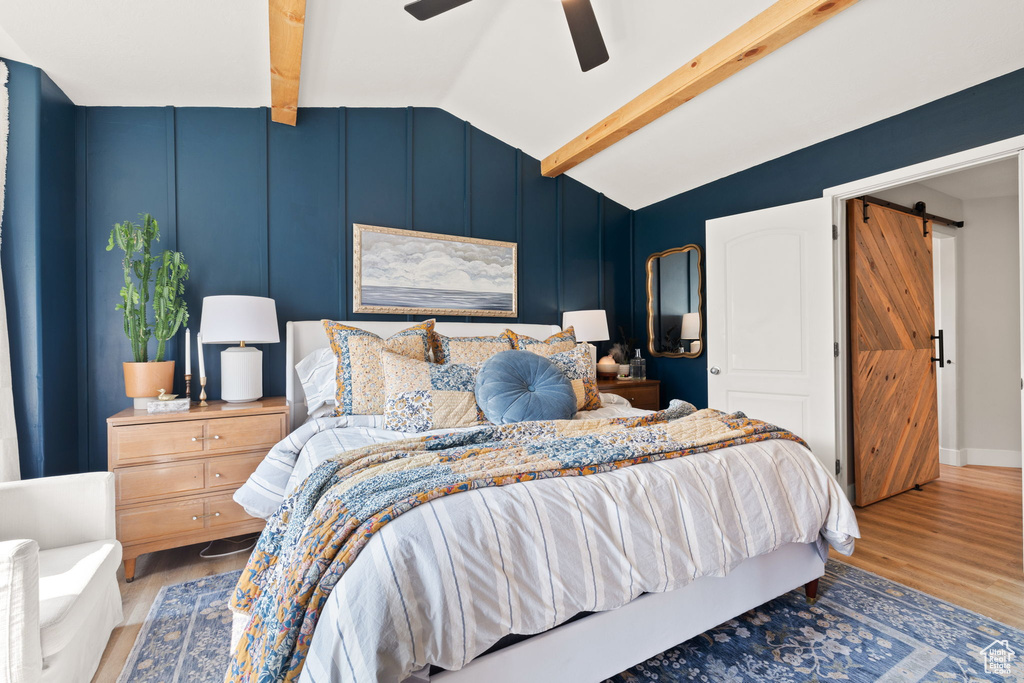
x=188 y=387
x=202 y=393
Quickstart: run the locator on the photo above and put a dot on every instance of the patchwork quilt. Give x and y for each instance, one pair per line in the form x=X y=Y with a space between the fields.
x=316 y=535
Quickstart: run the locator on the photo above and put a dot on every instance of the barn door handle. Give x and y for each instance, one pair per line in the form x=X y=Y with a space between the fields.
x=941 y=360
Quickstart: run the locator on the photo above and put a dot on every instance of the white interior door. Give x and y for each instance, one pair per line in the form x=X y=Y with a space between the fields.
x=770 y=320
x=1020 y=247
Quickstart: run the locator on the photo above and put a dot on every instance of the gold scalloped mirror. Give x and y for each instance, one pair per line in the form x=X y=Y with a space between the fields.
x=675 y=319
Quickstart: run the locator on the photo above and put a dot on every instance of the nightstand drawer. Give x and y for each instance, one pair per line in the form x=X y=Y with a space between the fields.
x=160 y=520
x=141 y=443
x=159 y=481
x=244 y=433
x=645 y=398
x=223 y=511
x=231 y=470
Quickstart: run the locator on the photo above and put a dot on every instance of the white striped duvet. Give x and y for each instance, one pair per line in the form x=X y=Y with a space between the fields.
x=445 y=581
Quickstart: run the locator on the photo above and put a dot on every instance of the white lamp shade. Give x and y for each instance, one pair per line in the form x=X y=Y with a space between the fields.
x=237 y=319
x=690 y=326
x=589 y=325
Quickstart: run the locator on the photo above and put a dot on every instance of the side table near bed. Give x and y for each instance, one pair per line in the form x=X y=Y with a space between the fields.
x=175 y=472
x=641 y=393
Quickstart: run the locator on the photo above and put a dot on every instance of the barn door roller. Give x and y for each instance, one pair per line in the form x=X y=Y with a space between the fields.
x=919 y=210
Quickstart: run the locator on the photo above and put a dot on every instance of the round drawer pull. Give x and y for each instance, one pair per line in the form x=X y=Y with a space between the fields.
x=217 y=475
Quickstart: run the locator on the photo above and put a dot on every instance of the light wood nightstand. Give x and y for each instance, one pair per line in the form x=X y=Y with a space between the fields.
x=641 y=393
x=176 y=472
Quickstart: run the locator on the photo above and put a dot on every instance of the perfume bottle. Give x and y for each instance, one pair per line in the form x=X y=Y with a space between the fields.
x=638 y=366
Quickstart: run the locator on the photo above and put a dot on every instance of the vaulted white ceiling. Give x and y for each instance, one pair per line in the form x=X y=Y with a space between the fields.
x=508 y=67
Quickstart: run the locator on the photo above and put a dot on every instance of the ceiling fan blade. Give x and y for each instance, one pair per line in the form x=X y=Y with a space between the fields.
x=428 y=9
x=586 y=34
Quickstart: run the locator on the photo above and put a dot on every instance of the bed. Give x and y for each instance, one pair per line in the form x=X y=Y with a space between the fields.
x=692 y=559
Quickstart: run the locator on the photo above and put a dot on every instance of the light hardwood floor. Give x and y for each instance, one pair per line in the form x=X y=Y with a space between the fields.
x=152 y=572
x=958 y=539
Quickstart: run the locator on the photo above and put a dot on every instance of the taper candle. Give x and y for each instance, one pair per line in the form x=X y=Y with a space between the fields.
x=202 y=365
x=188 y=351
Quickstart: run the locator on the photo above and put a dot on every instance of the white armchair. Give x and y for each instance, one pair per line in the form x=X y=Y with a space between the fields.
x=58 y=577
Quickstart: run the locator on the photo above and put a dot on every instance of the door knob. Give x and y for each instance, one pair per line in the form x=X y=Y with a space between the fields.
x=715 y=370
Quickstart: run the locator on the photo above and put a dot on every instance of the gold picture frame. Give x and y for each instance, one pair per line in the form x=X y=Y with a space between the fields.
x=651 y=313
x=392 y=263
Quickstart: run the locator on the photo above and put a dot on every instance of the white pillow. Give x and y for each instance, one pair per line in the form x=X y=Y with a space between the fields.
x=317 y=376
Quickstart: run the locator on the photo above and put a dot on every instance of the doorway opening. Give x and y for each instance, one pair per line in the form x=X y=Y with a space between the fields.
x=958 y=536
x=975 y=304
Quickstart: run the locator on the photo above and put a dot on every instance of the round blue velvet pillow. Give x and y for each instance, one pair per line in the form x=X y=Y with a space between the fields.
x=518 y=386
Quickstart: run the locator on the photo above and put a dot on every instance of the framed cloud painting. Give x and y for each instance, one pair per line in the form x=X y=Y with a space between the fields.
x=410 y=272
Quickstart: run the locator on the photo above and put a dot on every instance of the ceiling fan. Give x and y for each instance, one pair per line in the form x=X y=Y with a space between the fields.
x=586 y=34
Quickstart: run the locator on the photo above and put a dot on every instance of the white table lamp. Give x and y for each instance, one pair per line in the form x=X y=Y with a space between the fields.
x=240 y=320
x=590 y=326
x=690 y=329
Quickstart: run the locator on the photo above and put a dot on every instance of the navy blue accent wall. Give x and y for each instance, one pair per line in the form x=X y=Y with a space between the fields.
x=266 y=209
x=39 y=271
x=986 y=113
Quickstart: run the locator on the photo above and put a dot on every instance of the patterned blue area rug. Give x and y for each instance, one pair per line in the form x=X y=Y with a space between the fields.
x=186 y=636
x=864 y=628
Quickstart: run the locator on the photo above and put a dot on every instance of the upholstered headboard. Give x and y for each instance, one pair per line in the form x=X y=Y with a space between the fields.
x=306 y=336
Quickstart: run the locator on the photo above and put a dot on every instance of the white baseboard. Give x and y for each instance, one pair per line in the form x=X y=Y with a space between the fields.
x=951 y=456
x=989 y=457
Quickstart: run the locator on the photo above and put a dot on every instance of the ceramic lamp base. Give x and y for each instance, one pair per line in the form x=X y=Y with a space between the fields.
x=241 y=374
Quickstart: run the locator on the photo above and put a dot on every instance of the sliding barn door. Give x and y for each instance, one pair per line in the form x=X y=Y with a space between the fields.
x=892 y=319
x=770 y=329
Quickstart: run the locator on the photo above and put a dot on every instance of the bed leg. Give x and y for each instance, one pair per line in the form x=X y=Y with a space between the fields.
x=811 y=591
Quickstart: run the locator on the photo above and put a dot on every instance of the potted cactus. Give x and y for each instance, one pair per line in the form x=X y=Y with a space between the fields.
x=144 y=378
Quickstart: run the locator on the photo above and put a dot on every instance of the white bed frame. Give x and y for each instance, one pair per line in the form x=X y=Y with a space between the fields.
x=602 y=644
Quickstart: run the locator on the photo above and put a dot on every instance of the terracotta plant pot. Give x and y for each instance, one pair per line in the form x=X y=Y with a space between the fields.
x=142 y=380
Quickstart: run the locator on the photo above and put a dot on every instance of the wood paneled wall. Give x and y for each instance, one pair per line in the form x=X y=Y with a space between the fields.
x=268 y=210
x=976 y=116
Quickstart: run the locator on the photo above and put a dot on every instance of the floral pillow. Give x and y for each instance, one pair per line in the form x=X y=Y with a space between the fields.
x=578 y=366
x=556 y=343
x=462 y=350
x=358 y=371
x=423 y=396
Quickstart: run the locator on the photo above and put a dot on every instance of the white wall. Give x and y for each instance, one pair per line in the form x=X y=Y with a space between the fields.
x=989 y=353
x=938 y=203
x=946 y=319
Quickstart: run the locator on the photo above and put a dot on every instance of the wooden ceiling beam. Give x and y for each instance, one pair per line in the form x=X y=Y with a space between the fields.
x=287 y=21
x=762 y=35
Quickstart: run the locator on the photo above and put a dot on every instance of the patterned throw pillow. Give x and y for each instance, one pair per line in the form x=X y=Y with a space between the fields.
x=359 y=373
x=423 y=395
x=578 y=366
x=556 y=343
x=463 y=350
